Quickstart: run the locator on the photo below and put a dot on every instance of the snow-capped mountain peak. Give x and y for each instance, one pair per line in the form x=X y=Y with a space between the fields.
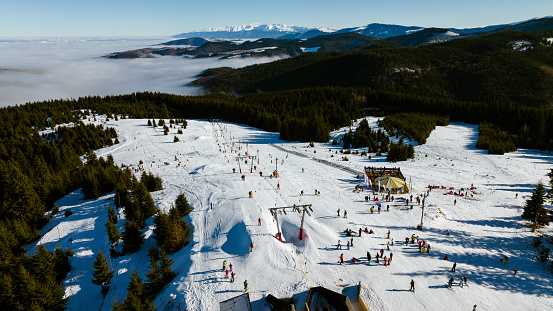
x=248 y=31
x=327 y=30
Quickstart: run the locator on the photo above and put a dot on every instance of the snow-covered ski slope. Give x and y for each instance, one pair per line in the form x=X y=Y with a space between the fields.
x=484 y=226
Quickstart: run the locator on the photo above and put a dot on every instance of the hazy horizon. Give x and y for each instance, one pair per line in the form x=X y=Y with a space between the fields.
x=45 y=69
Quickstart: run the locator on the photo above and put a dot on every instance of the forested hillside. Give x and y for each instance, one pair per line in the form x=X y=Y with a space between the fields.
x=511 y=67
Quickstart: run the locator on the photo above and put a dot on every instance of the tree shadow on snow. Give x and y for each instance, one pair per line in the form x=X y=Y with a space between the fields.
x=238 y=240
x=480 y=259
x=516 y=188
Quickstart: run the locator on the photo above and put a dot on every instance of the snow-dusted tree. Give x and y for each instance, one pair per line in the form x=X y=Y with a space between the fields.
x=102 y=273
x=534 y=210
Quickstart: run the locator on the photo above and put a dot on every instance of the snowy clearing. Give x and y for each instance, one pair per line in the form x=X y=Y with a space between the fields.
x=484 y=226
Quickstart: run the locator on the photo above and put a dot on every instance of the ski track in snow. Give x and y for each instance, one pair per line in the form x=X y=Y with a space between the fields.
x=484 y=226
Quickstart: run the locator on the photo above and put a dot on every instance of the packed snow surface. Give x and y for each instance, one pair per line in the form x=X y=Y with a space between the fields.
x=484 y=226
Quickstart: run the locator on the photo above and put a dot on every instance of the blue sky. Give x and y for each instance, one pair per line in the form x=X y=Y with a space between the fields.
x=66 y=18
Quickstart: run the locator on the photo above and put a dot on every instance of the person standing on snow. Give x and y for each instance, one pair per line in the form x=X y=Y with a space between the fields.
x=338 y=211
x=342 y=258
x=339 y=245
x=232 y=277
x=251 y=247
x=412 y=286
x=259 y=221
x=348 y=245
x=224 y=264
x=345 y=214
x=454 y=265
x=278 y=186
x=246 y=285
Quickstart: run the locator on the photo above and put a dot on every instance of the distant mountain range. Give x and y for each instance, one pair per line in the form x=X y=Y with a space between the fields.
x=278 y=31
x=292 y=43
x=252 y=31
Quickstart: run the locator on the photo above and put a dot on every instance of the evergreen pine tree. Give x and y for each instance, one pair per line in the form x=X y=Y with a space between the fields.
x=166 y=264
x=25 y=288
x=534 y=210
x=154 y=276
x=42 y=265
x=117 y=305
x=411 y=152
x=102 y=273
x=182 y=205
x=7 y=296
x=111 y=226
x=178 y=230
x=162 y=228
x=136 y=297
x=61 y=263
x=550 y=191
x=132 y=237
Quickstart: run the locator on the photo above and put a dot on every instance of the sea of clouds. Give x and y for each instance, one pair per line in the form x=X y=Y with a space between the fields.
x=41 y=69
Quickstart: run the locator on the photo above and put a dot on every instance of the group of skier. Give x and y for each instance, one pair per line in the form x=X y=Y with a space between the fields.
x=228 y=271
x=379 y=254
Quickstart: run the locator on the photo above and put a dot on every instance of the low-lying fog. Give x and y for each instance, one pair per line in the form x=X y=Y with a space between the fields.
x=41 y=69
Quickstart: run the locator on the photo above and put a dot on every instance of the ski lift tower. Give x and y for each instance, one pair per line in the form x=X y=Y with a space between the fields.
x=239 y=158
x=297 y=208
x=251 y=164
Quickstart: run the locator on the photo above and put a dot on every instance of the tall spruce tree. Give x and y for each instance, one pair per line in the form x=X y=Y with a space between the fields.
x=550 y=191
x=534 y=210
x=154 y=276
x=136 y=295
x=132 y=237
x=182 y=205
x=111 y=226
x=166 y=266
x=162 y=228
x=102 y=273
